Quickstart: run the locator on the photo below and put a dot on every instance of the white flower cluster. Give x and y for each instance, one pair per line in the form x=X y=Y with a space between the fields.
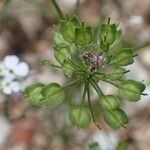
x=11 y=72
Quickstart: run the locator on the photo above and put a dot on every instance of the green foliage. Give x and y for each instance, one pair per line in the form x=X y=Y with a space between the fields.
x=122 y=145
x=33 y=94
x=88 y=62
x=131 y=90
x=53 y=94
x=94 y=146
x=116 y=118
x=125 y=57
x=61 y=52
x=109 y=102
x=79 y=116
x=83 y=35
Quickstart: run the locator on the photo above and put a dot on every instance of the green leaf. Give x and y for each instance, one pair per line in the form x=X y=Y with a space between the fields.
x=79 y=116
x=131 y=90
x=83 y=35
x=109 y=102
x=53 y=94
x=125 y=57
x=116 y=118
x=117 y=74
x=33 y=94
x=62 y=52
x=122 y=145
x=68 y=69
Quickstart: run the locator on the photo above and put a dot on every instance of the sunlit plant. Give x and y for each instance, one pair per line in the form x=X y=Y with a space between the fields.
x=87 y=59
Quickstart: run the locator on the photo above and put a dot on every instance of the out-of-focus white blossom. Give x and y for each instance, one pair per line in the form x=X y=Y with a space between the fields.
x=135 y=20
x=12 y=63
x=12 y=70
x=106 y=140
x=8 y=86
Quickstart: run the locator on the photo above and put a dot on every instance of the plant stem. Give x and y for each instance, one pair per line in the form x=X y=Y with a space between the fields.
x=77 y=9
x=73 y=83
x=58 y=9
x=82 y=102
x=97 y=88
x=90 y=107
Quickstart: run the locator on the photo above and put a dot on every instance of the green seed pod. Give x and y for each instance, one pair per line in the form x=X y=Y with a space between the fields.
x=108 y=33
x=83 y=35
x=117 y=74
x=67 y=28
x=33 y=94
x=68 y=69
x=53 y=94
x=79 y=116
x=62 y=52
x=109 y=102
x=58 y=38
x=125 y=57
x=104 y=46
x=131 y=90
x=116 y=118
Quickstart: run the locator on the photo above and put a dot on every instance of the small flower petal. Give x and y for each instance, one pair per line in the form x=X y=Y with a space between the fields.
x=22 y=69
x=11 y=62
x=7 y=90
x=15 y=86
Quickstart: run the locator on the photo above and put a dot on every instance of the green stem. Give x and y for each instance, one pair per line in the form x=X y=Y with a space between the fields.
x=77 y=9
x=108 y=81
x=90 y=107
x=82 y=102
x=73 y=83
x=58 y=9
x=97 y=88
x=56 y=66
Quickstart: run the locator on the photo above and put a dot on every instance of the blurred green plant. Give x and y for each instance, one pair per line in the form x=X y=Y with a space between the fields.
x=87 y=60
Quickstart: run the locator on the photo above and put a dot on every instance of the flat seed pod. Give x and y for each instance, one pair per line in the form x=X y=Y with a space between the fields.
x=125 y=57
x=53 y=94
x=58 y=38
x=62 y=52
x=131 y=90
x=108 y=33
x=109 y=102
x=83 y=35
x=33 y=94
x=79 y=116
x=67 y=28
x=116 y=118
x=68 y=69
x=117 y=74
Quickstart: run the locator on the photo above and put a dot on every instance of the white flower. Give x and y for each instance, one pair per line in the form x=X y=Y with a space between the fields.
x=12 y=63
x=4 y=72
x=8 y=86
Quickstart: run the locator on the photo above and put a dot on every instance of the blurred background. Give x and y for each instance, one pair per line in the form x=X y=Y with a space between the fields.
x=26 y=31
